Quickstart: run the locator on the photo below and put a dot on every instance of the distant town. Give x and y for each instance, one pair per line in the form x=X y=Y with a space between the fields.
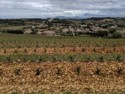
x=97 y=27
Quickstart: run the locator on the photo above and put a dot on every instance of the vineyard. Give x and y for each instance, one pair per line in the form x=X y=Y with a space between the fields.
x=34 y=64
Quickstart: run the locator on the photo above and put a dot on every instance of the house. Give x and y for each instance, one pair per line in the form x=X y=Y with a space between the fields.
x=39 y=33
x=28 y=31
x=64 y=30
x=40 y=26
x=71 y=29
x=95 y=29
x=33 y=27
x=48 y=33
x=113 y=27
x=121 y=30
x=83 y=26
x=78 y=30
x=50 y=19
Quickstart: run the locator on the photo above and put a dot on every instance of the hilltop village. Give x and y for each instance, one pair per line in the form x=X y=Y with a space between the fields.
x=100 y=27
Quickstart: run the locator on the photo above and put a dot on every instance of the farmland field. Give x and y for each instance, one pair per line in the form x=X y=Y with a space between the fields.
x=34 y=64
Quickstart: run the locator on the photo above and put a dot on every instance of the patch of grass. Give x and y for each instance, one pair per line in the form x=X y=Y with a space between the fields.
x=59 y=57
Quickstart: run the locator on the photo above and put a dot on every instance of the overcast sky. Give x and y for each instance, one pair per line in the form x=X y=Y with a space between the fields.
x=68 y=8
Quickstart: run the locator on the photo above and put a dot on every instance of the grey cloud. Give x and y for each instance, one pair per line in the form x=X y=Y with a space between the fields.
x=52 y=8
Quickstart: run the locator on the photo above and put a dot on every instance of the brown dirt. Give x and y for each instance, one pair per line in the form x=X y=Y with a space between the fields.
x=62 y=76
x=38 y=51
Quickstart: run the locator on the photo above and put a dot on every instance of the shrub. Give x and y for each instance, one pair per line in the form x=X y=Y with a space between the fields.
x=74 y=49
x=37 y=46
x=101 y=58
x=19 y=46
x=67 y=92
x=8 y=58
x=100 y=34
x=119 y=70
x=45 y=50
x=72 y=58
x=25 y=50
x=112 y=30
x=98 y=71
x=41 y=60
x=119 y=58
x=24 y=59
x=88 y=59
x=78 y=70
x=116 y=35
x=1 y=72
x=17 y=71
x=59 y=71
x=15 y=92
x=83 y=49
x=35 y=50
x=14 y=31
x=5 y=51
x=37 y=71
x=54 y=59
x=94 y=50
x=15 y=51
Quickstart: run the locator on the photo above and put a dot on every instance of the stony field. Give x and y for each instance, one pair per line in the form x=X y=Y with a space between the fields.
x=61 y=65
